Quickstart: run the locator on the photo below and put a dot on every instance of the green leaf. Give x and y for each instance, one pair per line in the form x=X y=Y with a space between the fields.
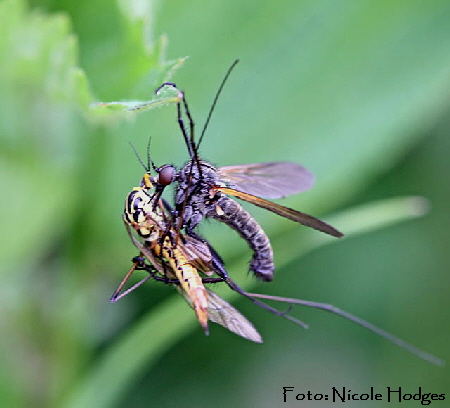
x=165 y=96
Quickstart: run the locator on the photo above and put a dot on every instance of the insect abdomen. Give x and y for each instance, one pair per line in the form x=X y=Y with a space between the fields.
x=232 y=214
x=189 y=279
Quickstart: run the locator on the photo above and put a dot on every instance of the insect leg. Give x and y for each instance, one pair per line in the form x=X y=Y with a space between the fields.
x=137 y=264
x=369 y=326
x=222 y=272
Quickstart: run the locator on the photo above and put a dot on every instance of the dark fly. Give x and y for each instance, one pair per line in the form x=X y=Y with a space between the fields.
x=203 y=191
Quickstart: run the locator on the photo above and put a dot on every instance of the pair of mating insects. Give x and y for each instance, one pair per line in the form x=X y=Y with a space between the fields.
x=172 y=252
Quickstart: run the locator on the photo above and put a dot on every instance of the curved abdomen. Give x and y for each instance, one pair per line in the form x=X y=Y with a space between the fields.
x=231 y=213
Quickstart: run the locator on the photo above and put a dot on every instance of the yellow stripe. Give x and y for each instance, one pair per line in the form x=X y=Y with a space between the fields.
x=189 y=278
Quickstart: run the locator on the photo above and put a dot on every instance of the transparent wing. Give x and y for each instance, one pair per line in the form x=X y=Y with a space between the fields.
x=268 y=180
x=221 y=312
x=198 y=253
x=286 y=212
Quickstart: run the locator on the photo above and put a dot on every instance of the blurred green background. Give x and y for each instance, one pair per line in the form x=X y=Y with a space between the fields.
x=357 y=91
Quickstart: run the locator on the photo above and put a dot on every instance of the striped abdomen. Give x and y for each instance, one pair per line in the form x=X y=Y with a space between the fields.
x=190 y=280
x=150 y=225
x=232 y=214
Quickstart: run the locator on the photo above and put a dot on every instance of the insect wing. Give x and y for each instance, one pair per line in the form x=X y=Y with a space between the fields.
x=221 y=312
x=268 y=180
x=286 y=212
x=198 y=253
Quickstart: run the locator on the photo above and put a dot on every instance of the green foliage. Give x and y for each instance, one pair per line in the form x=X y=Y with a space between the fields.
x=350 y=89
x=166 y=95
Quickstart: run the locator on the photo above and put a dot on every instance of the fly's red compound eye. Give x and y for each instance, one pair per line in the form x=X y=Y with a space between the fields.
x=166 y=174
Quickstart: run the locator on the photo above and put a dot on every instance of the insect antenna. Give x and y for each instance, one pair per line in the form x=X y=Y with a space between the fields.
x=159 y=186
x=146 y=168
x=149 y=159
x=211 y=110
x=150 y=162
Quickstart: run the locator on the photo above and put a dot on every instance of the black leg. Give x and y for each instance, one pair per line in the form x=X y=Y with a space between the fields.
x=222 y=272
x=187 y=138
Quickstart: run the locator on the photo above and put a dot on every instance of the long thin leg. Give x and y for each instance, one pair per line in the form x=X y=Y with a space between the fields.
x=137 y=264
x=191 y=123
x=114 y=298
x=369 y=326
x=191 y=145
x=221 y=271
x=216 y=97
x=224 y=277
x=187 y=138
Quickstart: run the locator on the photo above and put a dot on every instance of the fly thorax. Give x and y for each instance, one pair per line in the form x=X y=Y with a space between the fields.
x=194 y=193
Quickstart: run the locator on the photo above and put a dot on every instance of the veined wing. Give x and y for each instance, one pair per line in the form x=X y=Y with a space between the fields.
x=221 y=312
x=268 y=180
x=286 y=212
x=198 y=253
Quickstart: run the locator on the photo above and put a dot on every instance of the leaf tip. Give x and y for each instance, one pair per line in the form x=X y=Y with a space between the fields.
x=419 y=206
